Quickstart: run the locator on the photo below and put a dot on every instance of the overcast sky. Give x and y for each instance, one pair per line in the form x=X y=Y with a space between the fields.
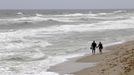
x=66 y=4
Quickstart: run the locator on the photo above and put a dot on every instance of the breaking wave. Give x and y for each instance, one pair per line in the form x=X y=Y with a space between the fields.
x=33 y=20
x=54 y=18
x=106 y=25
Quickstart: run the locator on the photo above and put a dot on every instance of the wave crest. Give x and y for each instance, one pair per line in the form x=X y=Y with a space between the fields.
x=33 y=20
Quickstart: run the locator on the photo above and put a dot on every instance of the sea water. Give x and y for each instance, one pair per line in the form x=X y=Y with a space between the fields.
x=33 y=40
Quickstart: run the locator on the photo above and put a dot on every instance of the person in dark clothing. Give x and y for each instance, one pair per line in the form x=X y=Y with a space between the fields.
x=100 y=46
x=93 y=47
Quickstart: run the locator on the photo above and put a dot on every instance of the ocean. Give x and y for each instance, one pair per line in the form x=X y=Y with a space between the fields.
x=33 y=40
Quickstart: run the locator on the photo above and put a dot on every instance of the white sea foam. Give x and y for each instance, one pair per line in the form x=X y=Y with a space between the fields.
x=16 y=40
x=80 y=14
x=43 y=73
x=102 y=13
x=39 y=15
x=33 y=19
x=90 y=14
x=59 y=18
x=105 y=25
x=120 y=11
x=39 y=67
x=19 y=13
x=75 y=15
x=114 y=43
x=38 y=73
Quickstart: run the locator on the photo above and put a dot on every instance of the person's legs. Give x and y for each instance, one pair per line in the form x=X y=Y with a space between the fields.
x=92 y=51
x=100 y=51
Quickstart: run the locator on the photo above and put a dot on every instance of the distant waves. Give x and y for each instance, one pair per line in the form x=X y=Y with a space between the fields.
x=67 y=18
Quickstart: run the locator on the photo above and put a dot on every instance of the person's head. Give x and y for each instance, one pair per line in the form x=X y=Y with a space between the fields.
x=93 y=41
x=100 y=42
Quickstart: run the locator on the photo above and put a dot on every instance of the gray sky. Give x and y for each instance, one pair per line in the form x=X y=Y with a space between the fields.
x=66 y=4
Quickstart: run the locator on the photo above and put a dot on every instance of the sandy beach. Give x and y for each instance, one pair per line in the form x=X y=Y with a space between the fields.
x=118 y=61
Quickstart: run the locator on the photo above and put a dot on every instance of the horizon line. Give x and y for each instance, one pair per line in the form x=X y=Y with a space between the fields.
x=70 y=9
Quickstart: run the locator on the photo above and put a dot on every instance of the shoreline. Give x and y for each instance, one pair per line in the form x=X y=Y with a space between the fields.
x=119 y=61
x=73 y=65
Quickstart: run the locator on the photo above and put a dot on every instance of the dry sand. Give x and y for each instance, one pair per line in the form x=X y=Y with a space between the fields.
x=119 y=61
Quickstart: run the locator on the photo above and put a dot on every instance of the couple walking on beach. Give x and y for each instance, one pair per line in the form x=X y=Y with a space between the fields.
x=94 y=46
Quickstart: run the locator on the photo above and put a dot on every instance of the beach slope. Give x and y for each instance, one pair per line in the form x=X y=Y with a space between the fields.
x=119 y=61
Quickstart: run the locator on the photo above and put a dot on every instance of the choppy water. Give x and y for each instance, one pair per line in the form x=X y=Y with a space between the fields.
x=33 y=40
